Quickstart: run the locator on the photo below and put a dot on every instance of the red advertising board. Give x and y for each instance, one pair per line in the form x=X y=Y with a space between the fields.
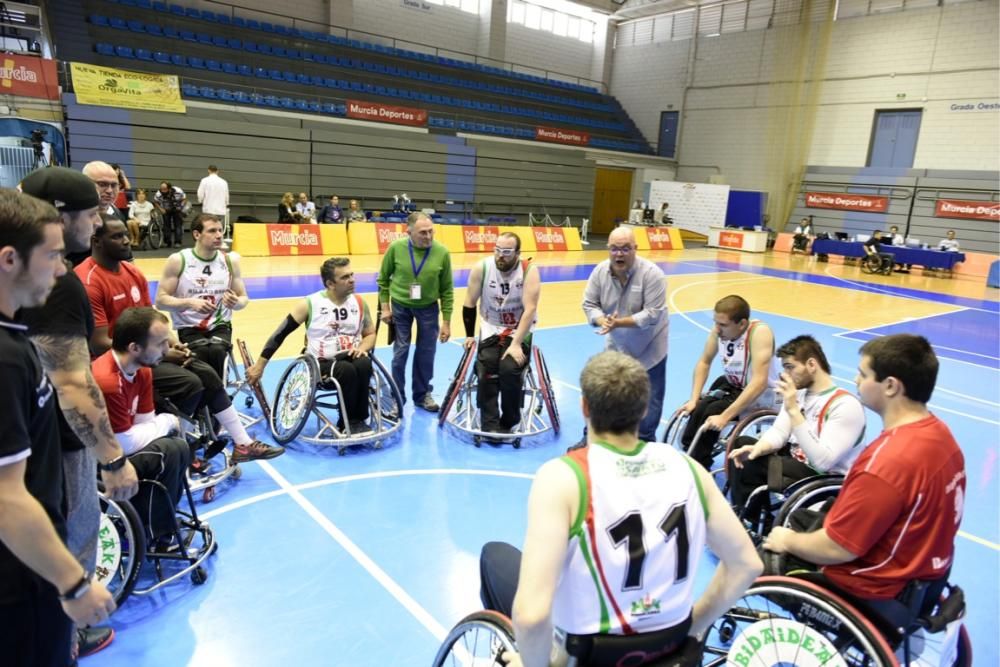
x=549 y=238
x=384 y=113
x=387 y=232
x=29 y=76
x=659 y=239
x=843 y=201
x=558 y=136
x=966 y=209
x=294 y=240
x=730 y=240
x=479 y=238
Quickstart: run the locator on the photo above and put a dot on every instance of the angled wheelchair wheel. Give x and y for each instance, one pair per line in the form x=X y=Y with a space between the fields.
x=753 y=425
x=386 y=394
x=871 y=264
x=258 y=391
x=478 y=639
x=455 y=387
x=675 y=426
x=789 y=621
x=293 y=400
x=810 y=494
x=121 y=548
x=154 y=233
x=545 y=387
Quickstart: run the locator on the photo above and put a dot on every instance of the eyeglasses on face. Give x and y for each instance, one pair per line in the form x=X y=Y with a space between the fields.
x=620 y=249
x=107 y=185
x=505 y=252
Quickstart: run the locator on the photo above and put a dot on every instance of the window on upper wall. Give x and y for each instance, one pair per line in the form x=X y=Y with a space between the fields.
x=471 y=6
x=547 y=17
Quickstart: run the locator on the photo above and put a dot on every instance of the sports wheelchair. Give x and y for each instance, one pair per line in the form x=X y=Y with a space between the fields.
x=460 y=406
x=302 y=391
x=878 y=263
x=122 y=548
x=753 y=423
x=793 y=620
x=482 y=637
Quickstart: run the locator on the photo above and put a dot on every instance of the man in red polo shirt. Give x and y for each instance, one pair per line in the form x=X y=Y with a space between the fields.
x=896 y=517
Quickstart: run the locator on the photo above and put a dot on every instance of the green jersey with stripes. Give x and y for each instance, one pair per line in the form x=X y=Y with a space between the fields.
x=636 y=541
x=206 y=279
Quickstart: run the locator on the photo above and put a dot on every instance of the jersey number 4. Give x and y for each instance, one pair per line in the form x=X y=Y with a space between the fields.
x=628 y=531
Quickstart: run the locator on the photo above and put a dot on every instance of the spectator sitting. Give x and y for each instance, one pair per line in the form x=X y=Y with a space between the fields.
x=354 y=213
x=141 y=338
x=140 y=213
x=122 y=198
x=949 y=244
x=899 y=240
x=661 y=216
x=332 y=212
x=803 y=234
x=305 y=208
x=286 y=209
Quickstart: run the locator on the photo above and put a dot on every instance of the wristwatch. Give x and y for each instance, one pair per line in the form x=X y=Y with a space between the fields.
x=113 y=465
x=78 y=591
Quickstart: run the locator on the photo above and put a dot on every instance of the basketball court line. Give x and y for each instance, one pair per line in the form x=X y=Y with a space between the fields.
x=851 y=335
x=869 y=287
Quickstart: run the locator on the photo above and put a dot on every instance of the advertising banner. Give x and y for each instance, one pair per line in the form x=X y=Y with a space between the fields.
x=967 y=210
x=694 y=207
x=843 y=201
x=29 y=76
x=384 y=113
x=559 y=136
x=266 y=240
x=110 y=87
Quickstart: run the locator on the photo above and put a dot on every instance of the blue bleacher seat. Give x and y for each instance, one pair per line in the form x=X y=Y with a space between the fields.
x=271 y=101
x=250 y=47
x=143 y=54
x=294 y=54
x=154 y=30
x=223 y=19
x=280 y=29
x=171 y=32
x=117 y=23
x=290 y=77
x=241 y=97
x=279 y=51
x=219 y=41
x=328 y=108
x=316 y=80
x=208 y=92
x=239 y=22
x=309 y=56
x=244 y=70
x=178 y=60
x=226 y=95
x=266 y=27
x=196 y=63
x=229 y=68
x=356 y=87
x=213 y=65
x=190 y=91
x=275 y=74
x=303 y=79
x=162 y=58
x=235 y=44
x=204 y=38
x=124 y=52
x=253 y=24
x=262 y=73
x=104 y=49
x=99 y=19
x=331 y=83
x=315 y=107
x=208 y=15
x=177 y=9
x=136 y=26
x=380 y=90
x=301 y=105
x=187 y=35
x=159 y=6
x=323 y=59
x=192 y=12
x=286 y=103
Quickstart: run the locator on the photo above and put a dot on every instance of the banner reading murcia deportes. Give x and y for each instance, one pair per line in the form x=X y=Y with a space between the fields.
x=842 y=201
x=558 y=136
x=29 y=76
x=966 y=209
x=384 y=113
x=110 y=87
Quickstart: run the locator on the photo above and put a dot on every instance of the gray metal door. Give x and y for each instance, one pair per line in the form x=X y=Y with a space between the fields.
x=894 y=138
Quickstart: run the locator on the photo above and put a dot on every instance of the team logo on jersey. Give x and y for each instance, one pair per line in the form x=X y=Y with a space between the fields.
x=647 y=606
x=44 y=390
x=780 y=641
x=135 y=294
x=201 y=282
x=499 y=300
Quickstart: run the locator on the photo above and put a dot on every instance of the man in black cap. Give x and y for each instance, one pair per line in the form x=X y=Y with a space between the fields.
x=60 y=331
x=43 y=589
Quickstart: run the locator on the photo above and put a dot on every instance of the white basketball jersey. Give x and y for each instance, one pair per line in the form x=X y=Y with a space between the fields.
x=815 y=409
x=736 y=361
x=203 y=279
x=633 y=554
x=331 y=328
x=502 y=301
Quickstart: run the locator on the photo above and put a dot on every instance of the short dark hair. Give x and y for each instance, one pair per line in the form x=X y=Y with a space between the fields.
x=22 y=221
x=616 y=389
x=512 y=235
x=734 y=307
x=212 y=168
x=908 y=358
x=802 y=348
x=199 y=222
x=102 y=230
x=133 y=325
x=328 y=271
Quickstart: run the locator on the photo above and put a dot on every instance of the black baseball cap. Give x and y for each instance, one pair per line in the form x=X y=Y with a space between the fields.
x=66 y=189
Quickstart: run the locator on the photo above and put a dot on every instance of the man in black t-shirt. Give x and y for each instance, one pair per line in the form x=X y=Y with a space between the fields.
x=43 y=589
x=60 y=331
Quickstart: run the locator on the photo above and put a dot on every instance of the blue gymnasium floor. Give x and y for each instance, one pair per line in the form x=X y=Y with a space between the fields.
x=369 y=558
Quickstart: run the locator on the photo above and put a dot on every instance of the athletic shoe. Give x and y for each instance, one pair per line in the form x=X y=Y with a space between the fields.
x=428 y=404
x=92 y=640
x=255 y=450
x=360 y=427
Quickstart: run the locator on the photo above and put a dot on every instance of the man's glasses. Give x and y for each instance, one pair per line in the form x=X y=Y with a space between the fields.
x=620 y=249
x=107 y=185
x=505 y=252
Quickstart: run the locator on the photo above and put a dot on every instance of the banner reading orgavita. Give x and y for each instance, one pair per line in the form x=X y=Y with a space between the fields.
x=110 y=87
x=693 y=206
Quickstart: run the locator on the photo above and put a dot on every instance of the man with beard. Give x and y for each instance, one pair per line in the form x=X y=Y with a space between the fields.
x=114 y=285
x=415 y=276
x=750 y=374
x=44 y=588
x=142 y=337
x=339 y=333
x=818 y=428
x=60 y=331
x=202 y=286
x=626 y=299
x=507 y=290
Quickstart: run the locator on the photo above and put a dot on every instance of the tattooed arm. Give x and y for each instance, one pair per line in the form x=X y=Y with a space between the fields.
x=66 y=360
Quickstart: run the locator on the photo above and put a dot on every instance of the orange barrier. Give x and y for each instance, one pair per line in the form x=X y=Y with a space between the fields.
x=374 y=237
x=975 y=264
x=266 y=240
x=784 y=242
x=658 y=238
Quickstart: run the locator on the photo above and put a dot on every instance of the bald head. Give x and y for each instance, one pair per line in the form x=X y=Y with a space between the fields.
x=622 y=236
x=105 y=179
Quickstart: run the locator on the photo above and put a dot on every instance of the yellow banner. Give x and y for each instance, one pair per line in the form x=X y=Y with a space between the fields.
x=109 y=87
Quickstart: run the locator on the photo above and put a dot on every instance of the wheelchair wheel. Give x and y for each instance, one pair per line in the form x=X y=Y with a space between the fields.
x=455 y=387
x=810 y=493
x=231 y=377
x=386 y=396
x=871 y=264
x=753 y=425
x=121 y=548
x=789 y=621
x=545 y=388
x=154 y=233
x=293 y=400
x=675 y=426
x=478 y=639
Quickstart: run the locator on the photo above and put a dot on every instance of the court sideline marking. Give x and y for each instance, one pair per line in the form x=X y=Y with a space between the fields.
x=874 y=288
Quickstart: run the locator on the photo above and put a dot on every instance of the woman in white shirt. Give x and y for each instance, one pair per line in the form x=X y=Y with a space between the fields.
x=140 y=213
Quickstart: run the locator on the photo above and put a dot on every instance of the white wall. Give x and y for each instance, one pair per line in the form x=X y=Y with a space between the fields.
x=933 y=58
x=445 y=27
x=546 y=51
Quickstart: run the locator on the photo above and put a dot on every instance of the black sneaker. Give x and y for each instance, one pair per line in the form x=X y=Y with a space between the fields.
x=92 y=640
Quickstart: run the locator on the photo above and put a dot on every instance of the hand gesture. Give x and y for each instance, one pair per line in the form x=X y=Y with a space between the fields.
x=230 y=299
x=203 y=306
x=92 y=607
x=715 y=423
x=254 y=373
x=516 y=353
x=120 y=484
